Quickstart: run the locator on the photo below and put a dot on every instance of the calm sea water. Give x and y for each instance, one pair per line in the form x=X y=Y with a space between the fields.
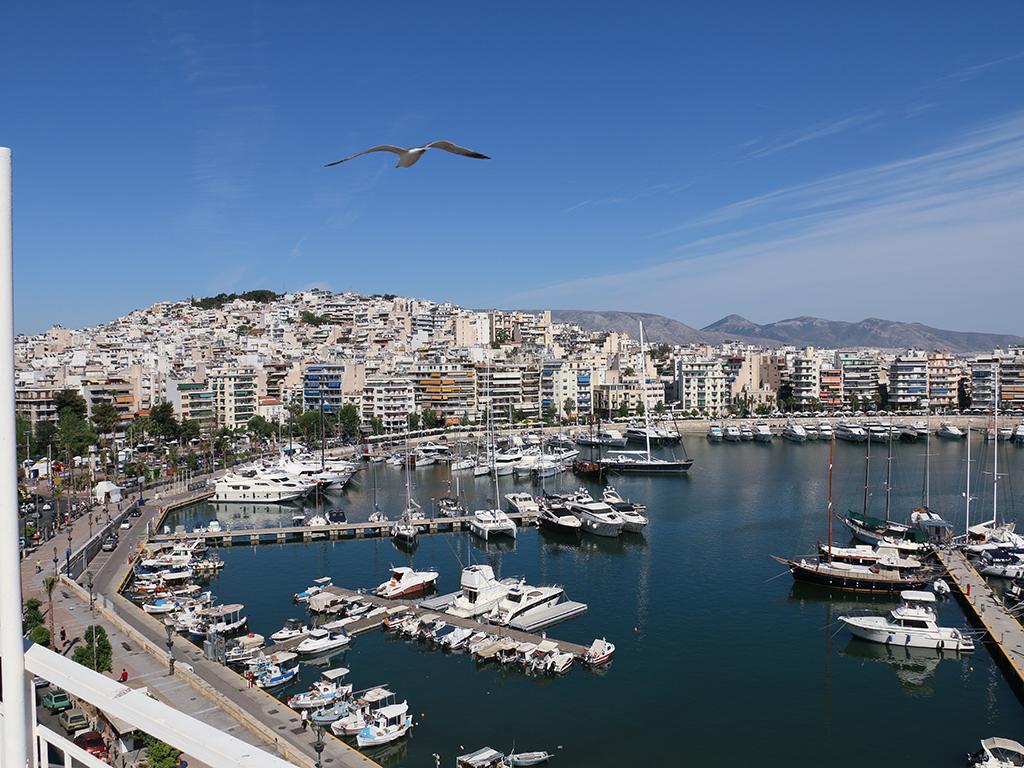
x=720 y=660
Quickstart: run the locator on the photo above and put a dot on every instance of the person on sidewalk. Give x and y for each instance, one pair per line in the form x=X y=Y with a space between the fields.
x=124 y=675
x=63 y=636
x=305 y=719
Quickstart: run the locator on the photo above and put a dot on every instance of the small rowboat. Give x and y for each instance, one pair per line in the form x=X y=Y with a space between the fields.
x=517 y=759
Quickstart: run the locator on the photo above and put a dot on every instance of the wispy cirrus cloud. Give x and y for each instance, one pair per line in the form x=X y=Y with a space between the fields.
x=820 y=130
x=972 y=71
x=664 y=188
x=904 y=236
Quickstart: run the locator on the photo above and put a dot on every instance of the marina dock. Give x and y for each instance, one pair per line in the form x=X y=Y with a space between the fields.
x=420 y=609
x=332 y=532
x=984 y=607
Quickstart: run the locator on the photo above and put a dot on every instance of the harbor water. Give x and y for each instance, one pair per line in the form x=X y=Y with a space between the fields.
x=720 y=660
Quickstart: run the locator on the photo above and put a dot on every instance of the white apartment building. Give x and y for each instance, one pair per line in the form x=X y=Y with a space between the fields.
x=235 y=393
x=805 y=379
x=390 y=399
x=702 y=384
x=908 y=381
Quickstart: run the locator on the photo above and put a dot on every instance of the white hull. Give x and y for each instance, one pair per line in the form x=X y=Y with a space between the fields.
x=944 y=640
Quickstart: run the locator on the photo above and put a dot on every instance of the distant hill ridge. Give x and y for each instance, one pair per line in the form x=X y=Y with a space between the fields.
x=796 y=331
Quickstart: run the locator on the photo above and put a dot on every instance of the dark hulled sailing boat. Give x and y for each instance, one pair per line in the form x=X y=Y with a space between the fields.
x=887 y=574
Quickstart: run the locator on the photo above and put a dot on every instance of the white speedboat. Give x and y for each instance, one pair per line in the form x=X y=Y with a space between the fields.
x=521 y=600
x=732 y=434
x=825 y=431
x=763 y=433
x=487 y=523
x=318 y=586
x=460 y=465
x=292 y=628
x=522 y=503
x=389 y=723
x=746 y=433
x=633 y=518
x=850 y=432
x=600 y=652
x=714 y=434
x=321 y=641
x=557 y=517
x=481 y=592
x=911 y=625
x=998 y=753
x=405 y=582
x=597 y=518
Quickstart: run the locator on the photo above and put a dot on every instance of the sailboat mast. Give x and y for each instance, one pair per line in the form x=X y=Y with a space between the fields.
x=888 y=475
x=967 y=510
x=867 y=471
x=928 y=463
x=995 y=444
x=831 y=453
x=643 y=392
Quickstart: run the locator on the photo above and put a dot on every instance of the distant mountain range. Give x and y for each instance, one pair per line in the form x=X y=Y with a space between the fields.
x=797 y=331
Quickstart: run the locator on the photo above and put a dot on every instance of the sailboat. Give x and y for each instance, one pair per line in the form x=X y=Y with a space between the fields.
x=486 y=523
x=403 y=531
x=377 y=516
x=989 y=536
x=885 y=575
x=641 y=462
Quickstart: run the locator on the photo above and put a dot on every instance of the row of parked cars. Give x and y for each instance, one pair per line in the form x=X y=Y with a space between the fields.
x=73 y=720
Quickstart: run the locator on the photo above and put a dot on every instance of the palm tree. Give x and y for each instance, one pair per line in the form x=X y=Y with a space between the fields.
x=49 y=584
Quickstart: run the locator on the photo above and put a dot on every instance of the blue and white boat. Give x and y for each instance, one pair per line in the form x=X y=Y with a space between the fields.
x=323 y=692
x=318 y=586
x=389 y=724
x=274 y=676
x=329 y=714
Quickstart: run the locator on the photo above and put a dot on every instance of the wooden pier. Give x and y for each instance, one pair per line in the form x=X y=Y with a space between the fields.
x=331 y=532
x=477 y=626
x=984 y=606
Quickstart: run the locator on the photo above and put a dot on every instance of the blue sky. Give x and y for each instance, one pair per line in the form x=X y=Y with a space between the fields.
x=839 y=160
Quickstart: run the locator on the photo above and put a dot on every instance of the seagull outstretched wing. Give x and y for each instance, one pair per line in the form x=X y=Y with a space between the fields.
x=455 y=149
x=381 y=148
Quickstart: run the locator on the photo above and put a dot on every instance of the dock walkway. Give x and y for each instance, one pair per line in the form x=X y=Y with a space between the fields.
x=334 y=531
x=477 y=626
x=1003 y=629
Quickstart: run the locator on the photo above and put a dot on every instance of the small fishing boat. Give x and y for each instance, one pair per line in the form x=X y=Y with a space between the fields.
x=245 y=648
x=321 y=641
x=325 y=716
x=389 y=724
x=274 y=676
x=405 y=582
x=323 y=692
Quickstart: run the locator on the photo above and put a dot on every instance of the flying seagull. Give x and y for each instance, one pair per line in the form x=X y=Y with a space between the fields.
x=408 y=157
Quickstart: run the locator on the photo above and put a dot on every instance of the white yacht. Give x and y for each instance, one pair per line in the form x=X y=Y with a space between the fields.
x=597 y=517
x=602 y=437
x=811 y=431
x=763 y=433
x=714 y=434
x=949 y=431
x=522 y=503
x=732 y=433
x=486 y=523
x=825 y=431
x=235 y=488
x=321 y=641
x=998 y=753
x=523 y=599
x=481 y=592
x=633 y=518
x=746 y=433
x=851 y=432
x=795 y=433
x=911 y=625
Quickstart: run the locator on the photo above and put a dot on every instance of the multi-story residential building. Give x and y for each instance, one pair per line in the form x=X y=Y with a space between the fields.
x=860 y=378
x=449 y=389
x=984 y=373
x=701 y=385
x=1011 y=380
x=271 y=408
x=805 y=380
x=390 y=399
x=831 y=387
x=908 y=381
x=323 y=384
x=943 y=381
x=565 y=383
x=117 y=392
x=193 y=402
x=235 y=395
x=36 y=402
x=613 y=398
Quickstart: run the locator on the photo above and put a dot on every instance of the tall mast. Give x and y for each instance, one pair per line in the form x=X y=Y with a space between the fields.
x=995 y=444
x=831 y=451
x=867 y=471
x=888 y=474
x=643 y=391
x=928 y=463
x=967 y=509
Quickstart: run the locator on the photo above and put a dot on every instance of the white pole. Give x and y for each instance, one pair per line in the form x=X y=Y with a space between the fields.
x=16 y=726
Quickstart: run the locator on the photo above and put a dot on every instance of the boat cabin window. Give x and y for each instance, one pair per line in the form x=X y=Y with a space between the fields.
x=914 y=623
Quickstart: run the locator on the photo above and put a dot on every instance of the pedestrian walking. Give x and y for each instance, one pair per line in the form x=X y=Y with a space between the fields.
x=124 y=675
x=305 y=720
x=63 y=636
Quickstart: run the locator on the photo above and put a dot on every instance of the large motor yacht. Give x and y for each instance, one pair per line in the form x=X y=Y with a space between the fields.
x=481 y=592
x=597 y=517
x=911 y=625
x=405 y=582
x=521 y=600
x=236 y=488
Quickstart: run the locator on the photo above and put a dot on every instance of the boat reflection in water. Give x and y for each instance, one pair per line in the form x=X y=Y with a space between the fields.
x=915 y=667
x=252 y=515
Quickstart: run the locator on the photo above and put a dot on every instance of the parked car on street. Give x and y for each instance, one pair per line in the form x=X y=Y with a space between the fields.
x=56 y=701
x=92 y=742
x=72 y=720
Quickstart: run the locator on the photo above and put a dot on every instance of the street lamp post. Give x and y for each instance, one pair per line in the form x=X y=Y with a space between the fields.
x=55 y=562
x=67 y=554
x=90 y=525
x=319 y=745
x=170 y=647
x=92 y=615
